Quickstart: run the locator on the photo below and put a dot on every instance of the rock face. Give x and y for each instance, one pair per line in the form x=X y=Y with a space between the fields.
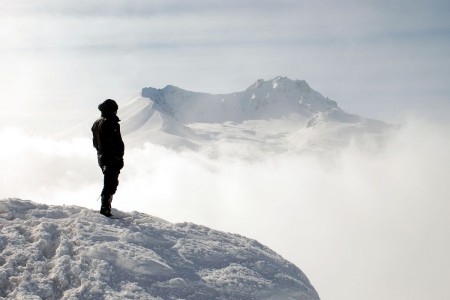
x=69 y=252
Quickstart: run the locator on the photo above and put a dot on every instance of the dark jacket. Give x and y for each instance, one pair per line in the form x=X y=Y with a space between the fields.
x=108 y=141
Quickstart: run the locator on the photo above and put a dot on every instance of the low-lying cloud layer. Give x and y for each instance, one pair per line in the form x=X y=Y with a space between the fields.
x=361 y=225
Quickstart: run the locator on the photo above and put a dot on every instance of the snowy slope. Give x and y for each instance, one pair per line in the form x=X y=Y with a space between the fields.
x=69 y=252
x=277 y=114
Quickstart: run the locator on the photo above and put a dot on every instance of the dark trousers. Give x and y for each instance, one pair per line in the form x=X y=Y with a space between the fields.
x=110 y=179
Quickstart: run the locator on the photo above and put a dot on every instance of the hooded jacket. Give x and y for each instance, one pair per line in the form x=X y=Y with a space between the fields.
x=108 y=140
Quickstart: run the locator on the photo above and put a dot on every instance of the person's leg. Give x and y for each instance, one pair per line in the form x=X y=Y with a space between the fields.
x=105 y=209
x=110 y=183
x=110 y=180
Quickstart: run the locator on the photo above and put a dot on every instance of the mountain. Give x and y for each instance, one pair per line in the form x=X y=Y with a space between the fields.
x=273 y=99
x=277 y=114
x=69 y=252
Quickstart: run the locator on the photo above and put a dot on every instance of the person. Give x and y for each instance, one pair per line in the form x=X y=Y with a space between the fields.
x=110 y=150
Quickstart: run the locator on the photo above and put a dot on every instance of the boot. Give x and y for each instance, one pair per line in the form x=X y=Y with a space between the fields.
x=106 y=206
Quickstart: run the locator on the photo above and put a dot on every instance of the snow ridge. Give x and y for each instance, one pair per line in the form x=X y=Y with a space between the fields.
x=69 y=252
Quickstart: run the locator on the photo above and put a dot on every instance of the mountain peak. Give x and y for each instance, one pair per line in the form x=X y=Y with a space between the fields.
x=171 y=88
x=281 y=81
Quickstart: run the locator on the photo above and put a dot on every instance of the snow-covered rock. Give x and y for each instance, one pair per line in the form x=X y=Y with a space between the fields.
x=69 y=252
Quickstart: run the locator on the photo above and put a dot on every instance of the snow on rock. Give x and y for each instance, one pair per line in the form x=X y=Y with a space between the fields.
x=69 y=252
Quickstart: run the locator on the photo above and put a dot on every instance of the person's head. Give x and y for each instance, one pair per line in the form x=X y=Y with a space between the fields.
x=108 y=107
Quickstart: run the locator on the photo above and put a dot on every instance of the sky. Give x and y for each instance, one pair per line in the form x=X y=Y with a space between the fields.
x=379 y=59
x=371 y=225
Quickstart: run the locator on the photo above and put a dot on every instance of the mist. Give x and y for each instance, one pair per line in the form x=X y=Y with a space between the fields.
x=365 y=222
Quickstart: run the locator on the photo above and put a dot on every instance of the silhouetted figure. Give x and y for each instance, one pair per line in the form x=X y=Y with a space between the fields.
x=110 y=149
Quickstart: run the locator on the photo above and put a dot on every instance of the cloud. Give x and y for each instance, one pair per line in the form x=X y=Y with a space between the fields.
x=361 y=225
x=123 y=25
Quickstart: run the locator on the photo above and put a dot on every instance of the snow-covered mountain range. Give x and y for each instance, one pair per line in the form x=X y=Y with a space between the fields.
x=69 y=252
x=277 y=114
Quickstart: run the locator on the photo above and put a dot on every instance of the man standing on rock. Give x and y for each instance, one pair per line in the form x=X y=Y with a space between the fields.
x=110 y=150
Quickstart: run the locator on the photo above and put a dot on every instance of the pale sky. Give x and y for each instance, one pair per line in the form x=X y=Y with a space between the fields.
x=380 y=59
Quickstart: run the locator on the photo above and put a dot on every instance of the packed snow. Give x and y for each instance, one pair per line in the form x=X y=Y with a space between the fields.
x=70 y=252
